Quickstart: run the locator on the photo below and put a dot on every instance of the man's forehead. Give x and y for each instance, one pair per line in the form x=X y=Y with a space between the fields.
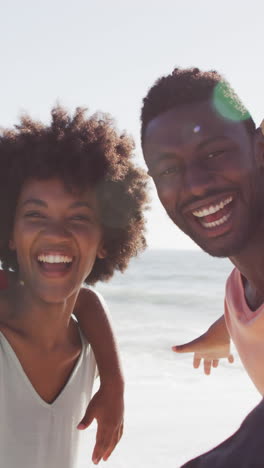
x=188 y=123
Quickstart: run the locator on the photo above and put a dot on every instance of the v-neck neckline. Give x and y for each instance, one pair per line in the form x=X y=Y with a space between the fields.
x=34 y=392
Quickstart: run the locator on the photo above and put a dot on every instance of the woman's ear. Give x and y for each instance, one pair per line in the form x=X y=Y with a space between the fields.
x=101 y=252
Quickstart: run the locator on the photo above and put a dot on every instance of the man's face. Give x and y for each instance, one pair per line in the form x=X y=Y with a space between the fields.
x=206 y=176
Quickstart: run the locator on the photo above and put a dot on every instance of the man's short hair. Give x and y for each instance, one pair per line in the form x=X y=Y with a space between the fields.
x=188 y=85
x=82 y=152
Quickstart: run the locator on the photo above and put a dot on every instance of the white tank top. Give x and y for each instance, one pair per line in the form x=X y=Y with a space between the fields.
x=36 y=434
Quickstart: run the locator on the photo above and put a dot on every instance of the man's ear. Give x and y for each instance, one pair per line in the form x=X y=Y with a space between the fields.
x=11 y=244
x=259 y=145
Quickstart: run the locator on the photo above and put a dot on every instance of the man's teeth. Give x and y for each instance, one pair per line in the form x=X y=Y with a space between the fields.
x=216 y=223
x=211 y=210
x=54 y=258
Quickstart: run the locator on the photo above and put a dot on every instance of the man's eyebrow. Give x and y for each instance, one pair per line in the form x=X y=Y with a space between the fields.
x=165 y=155
x=212 y=140
x=172 y=155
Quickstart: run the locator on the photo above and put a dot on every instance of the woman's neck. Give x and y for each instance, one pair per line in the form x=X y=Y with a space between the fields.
x=46 y=324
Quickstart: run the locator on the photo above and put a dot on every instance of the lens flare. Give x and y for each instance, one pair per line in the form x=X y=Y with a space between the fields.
x=196 y=129
x=227 y=103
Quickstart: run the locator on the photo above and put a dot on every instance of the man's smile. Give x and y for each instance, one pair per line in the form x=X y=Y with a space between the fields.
x=212 y=208
x=212 y=214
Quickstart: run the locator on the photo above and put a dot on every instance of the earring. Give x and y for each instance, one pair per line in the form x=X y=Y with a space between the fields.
x=21 y=283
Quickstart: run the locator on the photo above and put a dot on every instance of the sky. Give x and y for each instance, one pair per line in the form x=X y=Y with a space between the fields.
x=106 y=54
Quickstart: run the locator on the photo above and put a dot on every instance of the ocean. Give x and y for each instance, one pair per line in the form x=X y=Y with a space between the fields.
x=173 y=412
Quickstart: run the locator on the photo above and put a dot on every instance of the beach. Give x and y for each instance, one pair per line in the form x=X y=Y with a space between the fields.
x=173 y=412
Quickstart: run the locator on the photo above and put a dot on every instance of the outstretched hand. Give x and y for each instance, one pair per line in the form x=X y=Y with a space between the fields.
x=107 y=407
x=206 y=348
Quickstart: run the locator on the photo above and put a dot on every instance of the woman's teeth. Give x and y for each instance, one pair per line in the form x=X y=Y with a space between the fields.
x=213 y=209
x=55 y=259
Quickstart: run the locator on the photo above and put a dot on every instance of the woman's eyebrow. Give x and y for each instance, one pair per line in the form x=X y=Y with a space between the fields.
x=34 y=201
x=82 y=204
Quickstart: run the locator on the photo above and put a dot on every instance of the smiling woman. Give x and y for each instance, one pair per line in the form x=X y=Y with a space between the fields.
x=71 y=212
x=57 y=234
x=80 y=153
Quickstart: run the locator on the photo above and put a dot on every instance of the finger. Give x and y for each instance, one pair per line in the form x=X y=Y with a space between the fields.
x=106 y=440
x=116 y=438
x=189 y=347
x=112 y=446
x=196 y=362
x=103 y=443
x=215 y=362
x=231 y=358
x=88 y=417
x=207 y=366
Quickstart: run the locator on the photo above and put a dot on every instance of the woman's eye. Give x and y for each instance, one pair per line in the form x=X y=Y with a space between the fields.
x=82 y=218
x=34 y=214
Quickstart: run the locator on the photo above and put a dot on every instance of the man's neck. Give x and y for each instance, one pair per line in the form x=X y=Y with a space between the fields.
x=250 y=263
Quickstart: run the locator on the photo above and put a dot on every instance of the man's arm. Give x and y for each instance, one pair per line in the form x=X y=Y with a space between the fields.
x=211 y=346
x=107 y=405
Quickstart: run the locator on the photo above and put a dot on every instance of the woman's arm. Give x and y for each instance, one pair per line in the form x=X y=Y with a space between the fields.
x=107 y=405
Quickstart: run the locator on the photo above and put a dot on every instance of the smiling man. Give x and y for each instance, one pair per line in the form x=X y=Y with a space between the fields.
x=206 y=159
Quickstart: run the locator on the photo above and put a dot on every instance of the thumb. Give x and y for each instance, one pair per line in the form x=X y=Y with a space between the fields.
x=88 y=417
x=193 y=346
x=184 y=348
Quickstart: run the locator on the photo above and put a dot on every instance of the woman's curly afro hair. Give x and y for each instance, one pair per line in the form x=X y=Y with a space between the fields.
x=81 y=152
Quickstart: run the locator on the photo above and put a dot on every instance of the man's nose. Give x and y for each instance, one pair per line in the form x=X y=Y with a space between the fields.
x=197 y=181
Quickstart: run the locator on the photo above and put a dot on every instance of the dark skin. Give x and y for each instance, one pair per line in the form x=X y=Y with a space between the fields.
x=197 y=159
x=49 y=220
x=164 y=135
x=53 y=360
x=107 y=404
x=194 y=170
x=200 y=161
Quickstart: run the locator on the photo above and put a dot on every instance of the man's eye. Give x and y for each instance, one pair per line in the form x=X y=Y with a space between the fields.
x=170 y=170
x=215 y=154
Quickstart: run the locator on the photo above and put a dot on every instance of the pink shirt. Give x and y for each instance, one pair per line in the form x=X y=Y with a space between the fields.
x=246 y=328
